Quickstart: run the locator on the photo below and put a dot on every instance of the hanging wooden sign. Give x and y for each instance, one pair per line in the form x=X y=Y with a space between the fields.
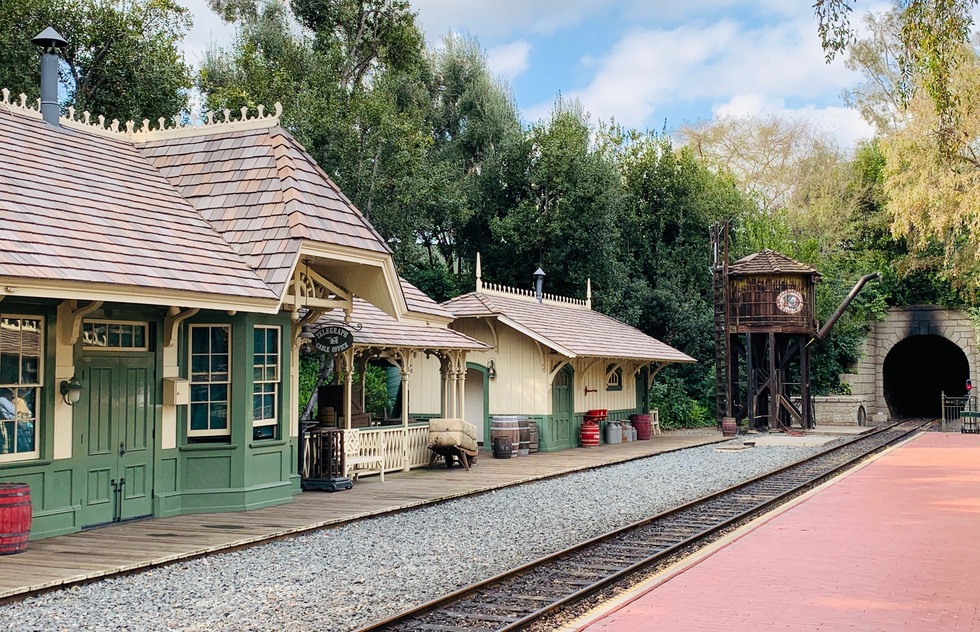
x=333 y=340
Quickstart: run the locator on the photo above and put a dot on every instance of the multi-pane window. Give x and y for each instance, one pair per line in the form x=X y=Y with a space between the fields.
x=614 y=379
x=265 y=378
x=114 y=335
x=20 y=384
x=210 y=380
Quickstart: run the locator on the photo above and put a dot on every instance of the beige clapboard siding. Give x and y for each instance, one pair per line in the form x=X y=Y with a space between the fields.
x=594 y=377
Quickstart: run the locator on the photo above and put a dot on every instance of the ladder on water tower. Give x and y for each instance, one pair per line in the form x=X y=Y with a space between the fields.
x=719 y=238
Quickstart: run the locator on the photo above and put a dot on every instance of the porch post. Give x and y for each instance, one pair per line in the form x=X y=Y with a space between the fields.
x=348 y=359
x=406 y=464
x=443 y=386
x=461 y=395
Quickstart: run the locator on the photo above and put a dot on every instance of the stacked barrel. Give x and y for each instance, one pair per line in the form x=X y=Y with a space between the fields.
x=511 y=435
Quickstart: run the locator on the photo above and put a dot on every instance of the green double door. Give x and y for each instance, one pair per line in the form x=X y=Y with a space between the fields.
x=114 y=427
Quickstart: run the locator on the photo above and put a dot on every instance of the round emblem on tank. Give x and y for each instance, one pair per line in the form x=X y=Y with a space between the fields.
x=790 y=301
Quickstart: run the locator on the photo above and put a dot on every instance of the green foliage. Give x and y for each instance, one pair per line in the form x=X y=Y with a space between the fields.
x=376 y=401
x=677 y=408
x=309 y=371
x=121 y=60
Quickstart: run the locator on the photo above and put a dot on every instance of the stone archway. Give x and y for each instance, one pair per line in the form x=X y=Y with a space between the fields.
x=927 y=350
x=917 y=370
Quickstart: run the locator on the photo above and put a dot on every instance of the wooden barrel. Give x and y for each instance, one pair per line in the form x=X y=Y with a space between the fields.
x=506 y=428
x=533 y=431
x=728 y=427
x=589 y=436
x=524 y=437
x=502 y=447
x=642 y=425
x=15 y=517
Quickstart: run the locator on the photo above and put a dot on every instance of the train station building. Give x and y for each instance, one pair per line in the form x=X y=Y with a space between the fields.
x=157 y=282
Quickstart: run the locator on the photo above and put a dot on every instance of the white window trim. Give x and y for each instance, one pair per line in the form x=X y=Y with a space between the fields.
x=225 y=432
x=105 y=321
x=258 y=423
x=36 y=452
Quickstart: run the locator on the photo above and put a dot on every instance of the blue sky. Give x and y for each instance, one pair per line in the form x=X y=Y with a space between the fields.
x=643 y=62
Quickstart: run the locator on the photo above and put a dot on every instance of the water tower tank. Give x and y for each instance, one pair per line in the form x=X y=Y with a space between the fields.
x=769 y=292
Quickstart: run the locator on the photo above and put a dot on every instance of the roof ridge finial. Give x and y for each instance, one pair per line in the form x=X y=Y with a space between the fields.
x=588 y=292
x=479 y=273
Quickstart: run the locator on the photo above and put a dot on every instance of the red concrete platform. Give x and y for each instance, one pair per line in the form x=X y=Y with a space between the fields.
x=893 y=546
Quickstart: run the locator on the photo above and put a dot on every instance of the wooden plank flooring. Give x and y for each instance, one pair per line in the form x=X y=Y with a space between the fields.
x=146 y=543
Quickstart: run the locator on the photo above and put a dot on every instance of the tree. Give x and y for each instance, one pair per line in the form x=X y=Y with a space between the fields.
x=778 y=162
x=121 y=60
x=566 y=216
x=671 y=198
x=934 y=197
x=879 y=97
x=934 y=35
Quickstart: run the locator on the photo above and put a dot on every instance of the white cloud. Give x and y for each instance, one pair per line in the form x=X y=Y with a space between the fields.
x=650 y=73
x=500 y=18
x=509 y=60
x=844 y=124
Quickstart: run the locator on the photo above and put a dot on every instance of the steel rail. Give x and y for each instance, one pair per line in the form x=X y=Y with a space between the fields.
x=403 y=620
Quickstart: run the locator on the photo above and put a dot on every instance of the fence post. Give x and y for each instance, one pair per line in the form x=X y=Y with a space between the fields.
x=943 y=423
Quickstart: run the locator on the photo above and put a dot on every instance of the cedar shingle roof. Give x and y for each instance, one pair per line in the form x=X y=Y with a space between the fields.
x=768 y=262
x=420 y=302
x=567 y=329
x=381 y=330
x=82 y=207
x=264 y=194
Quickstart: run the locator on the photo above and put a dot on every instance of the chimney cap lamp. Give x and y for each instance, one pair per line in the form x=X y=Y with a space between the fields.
x=49 y=38
x=71 y=390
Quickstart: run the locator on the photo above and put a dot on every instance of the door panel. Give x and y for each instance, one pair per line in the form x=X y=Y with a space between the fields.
x=117 y=410
x=136 y=441
x=561 y=409
x=98 y=504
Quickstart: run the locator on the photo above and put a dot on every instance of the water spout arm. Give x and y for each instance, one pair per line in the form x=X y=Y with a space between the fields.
x=827 y=326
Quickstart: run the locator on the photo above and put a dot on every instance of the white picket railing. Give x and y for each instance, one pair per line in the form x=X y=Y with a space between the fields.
x=388 y=440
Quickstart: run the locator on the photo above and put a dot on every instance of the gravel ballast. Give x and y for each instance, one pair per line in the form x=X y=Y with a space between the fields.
x=346 y=577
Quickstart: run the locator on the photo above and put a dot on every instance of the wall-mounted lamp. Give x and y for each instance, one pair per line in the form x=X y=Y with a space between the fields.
x=71 y=390
x=491 y=370
x=306 y=336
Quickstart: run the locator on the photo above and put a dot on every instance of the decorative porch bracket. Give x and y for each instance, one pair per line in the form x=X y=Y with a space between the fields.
x=171 y=322
x=70 y=317
x=312 y=290
x=653 y=373
x=555 y=368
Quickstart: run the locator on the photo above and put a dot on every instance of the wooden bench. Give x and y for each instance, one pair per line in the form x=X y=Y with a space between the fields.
x=353 y=458
x=970 y=421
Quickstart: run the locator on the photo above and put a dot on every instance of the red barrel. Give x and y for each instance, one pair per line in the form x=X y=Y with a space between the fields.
x=642 y=425
x=15 y=517
x=728 y=427
x=589 y=434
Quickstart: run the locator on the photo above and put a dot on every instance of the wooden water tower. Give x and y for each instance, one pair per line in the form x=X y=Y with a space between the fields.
x=764 y=319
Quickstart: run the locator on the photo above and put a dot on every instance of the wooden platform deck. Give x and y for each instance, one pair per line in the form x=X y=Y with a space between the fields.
x=147 y=543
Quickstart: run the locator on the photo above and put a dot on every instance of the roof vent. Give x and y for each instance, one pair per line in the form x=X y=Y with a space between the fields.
x=538 y=284
x=52 y=42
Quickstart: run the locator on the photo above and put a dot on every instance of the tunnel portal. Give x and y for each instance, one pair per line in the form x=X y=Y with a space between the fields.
x=918 y=370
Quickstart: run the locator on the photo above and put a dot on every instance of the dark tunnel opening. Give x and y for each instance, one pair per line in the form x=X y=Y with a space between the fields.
x=918 y=370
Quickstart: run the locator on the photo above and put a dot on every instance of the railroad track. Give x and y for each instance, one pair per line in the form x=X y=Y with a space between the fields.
x=519 y=598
